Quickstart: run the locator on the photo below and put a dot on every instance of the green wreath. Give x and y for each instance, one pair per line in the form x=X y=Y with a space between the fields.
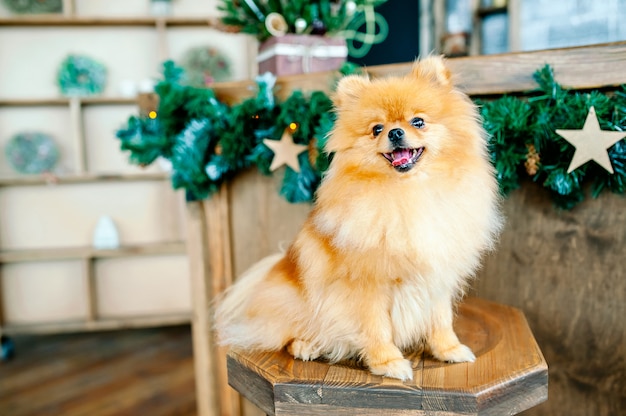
x=205 y=65
x=32 y=152
x=80 y=75
x=34 y=6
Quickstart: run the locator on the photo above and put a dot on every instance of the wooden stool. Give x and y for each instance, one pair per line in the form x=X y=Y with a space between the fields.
x=510 y=375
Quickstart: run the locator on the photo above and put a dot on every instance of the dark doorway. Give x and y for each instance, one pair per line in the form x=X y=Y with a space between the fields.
x=402 y=42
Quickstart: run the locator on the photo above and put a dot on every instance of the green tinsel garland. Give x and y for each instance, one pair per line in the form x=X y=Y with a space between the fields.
x=515 y=123
x=209 y=142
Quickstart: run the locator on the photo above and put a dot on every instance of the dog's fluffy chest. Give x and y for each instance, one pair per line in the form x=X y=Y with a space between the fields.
x=402 y=226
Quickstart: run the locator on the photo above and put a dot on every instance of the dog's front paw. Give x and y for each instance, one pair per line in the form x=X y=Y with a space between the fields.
x=399 y=368
x=457 y=354
x=304 y=350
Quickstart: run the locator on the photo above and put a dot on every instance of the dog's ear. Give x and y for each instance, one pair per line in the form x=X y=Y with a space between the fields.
x=349 y=88
x=433 y=68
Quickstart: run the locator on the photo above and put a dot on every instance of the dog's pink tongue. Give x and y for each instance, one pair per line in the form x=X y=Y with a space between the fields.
x=401 y=157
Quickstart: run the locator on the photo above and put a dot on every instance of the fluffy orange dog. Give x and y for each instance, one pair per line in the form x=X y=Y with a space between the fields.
x=402 y=217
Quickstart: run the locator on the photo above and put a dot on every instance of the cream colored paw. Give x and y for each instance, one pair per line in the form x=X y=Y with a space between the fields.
x=304 y=350
x=398 y=368
x=458 y=354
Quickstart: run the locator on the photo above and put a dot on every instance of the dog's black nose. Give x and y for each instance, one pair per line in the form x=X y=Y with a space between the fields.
x=396 y=136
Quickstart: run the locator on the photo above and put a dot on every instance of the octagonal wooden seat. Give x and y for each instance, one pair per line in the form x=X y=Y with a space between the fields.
x=510 y=375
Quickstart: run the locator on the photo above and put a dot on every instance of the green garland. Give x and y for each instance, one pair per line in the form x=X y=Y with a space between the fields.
x=190 y=120
x=209 y=142
x=517 y=124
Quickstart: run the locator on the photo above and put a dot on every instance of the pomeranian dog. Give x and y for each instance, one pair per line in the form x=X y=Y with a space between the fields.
x=402 y=216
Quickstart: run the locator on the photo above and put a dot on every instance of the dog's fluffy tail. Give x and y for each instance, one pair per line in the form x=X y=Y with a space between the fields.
x=241 y=319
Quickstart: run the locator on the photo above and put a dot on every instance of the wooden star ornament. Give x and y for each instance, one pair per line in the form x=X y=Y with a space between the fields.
x=591 y=143
x=285 y=151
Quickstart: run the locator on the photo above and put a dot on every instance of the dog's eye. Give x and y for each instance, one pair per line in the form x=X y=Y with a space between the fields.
x=377 y=129
x=418 y=123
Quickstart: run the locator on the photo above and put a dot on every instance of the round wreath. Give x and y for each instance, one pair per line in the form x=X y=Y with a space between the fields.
x=81 y=75
x=204 y=65
x=34 y=6
x=32 y=152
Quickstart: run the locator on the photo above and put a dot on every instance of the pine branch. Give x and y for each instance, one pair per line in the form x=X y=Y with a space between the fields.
x=145 y=140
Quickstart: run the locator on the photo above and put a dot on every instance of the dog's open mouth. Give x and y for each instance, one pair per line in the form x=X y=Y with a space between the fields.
x=404 y=159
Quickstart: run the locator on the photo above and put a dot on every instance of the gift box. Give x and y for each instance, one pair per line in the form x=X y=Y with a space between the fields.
x=297 y=54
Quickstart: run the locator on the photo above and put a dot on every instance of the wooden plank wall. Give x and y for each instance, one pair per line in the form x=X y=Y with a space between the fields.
x=565 y=270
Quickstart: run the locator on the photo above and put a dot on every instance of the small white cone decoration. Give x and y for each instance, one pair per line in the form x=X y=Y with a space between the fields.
x=106 y=237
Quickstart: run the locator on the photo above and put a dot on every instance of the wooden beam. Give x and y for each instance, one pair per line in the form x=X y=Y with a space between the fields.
x=61 y=20
x=595 y=66
x=216 y=210
x=49 y=179
x=69 y=8
x=97 y=325
x=211 y=273
x=204 y=364
x=63 y=101
x=78 y=135
x=90 y=289
x=162 y=44
x=515 y=22
x=46 y=254
x=586 y=67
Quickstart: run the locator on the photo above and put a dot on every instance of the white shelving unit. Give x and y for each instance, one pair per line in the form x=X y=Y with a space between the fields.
x=51 y=279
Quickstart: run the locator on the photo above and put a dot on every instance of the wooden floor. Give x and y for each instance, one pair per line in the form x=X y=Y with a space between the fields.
x=128 y=372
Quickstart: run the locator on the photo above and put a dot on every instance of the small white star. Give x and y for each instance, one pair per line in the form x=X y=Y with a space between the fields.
x=591 y=143
x=285 y=151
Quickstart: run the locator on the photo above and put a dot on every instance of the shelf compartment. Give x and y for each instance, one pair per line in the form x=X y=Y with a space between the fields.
x=67 y=292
